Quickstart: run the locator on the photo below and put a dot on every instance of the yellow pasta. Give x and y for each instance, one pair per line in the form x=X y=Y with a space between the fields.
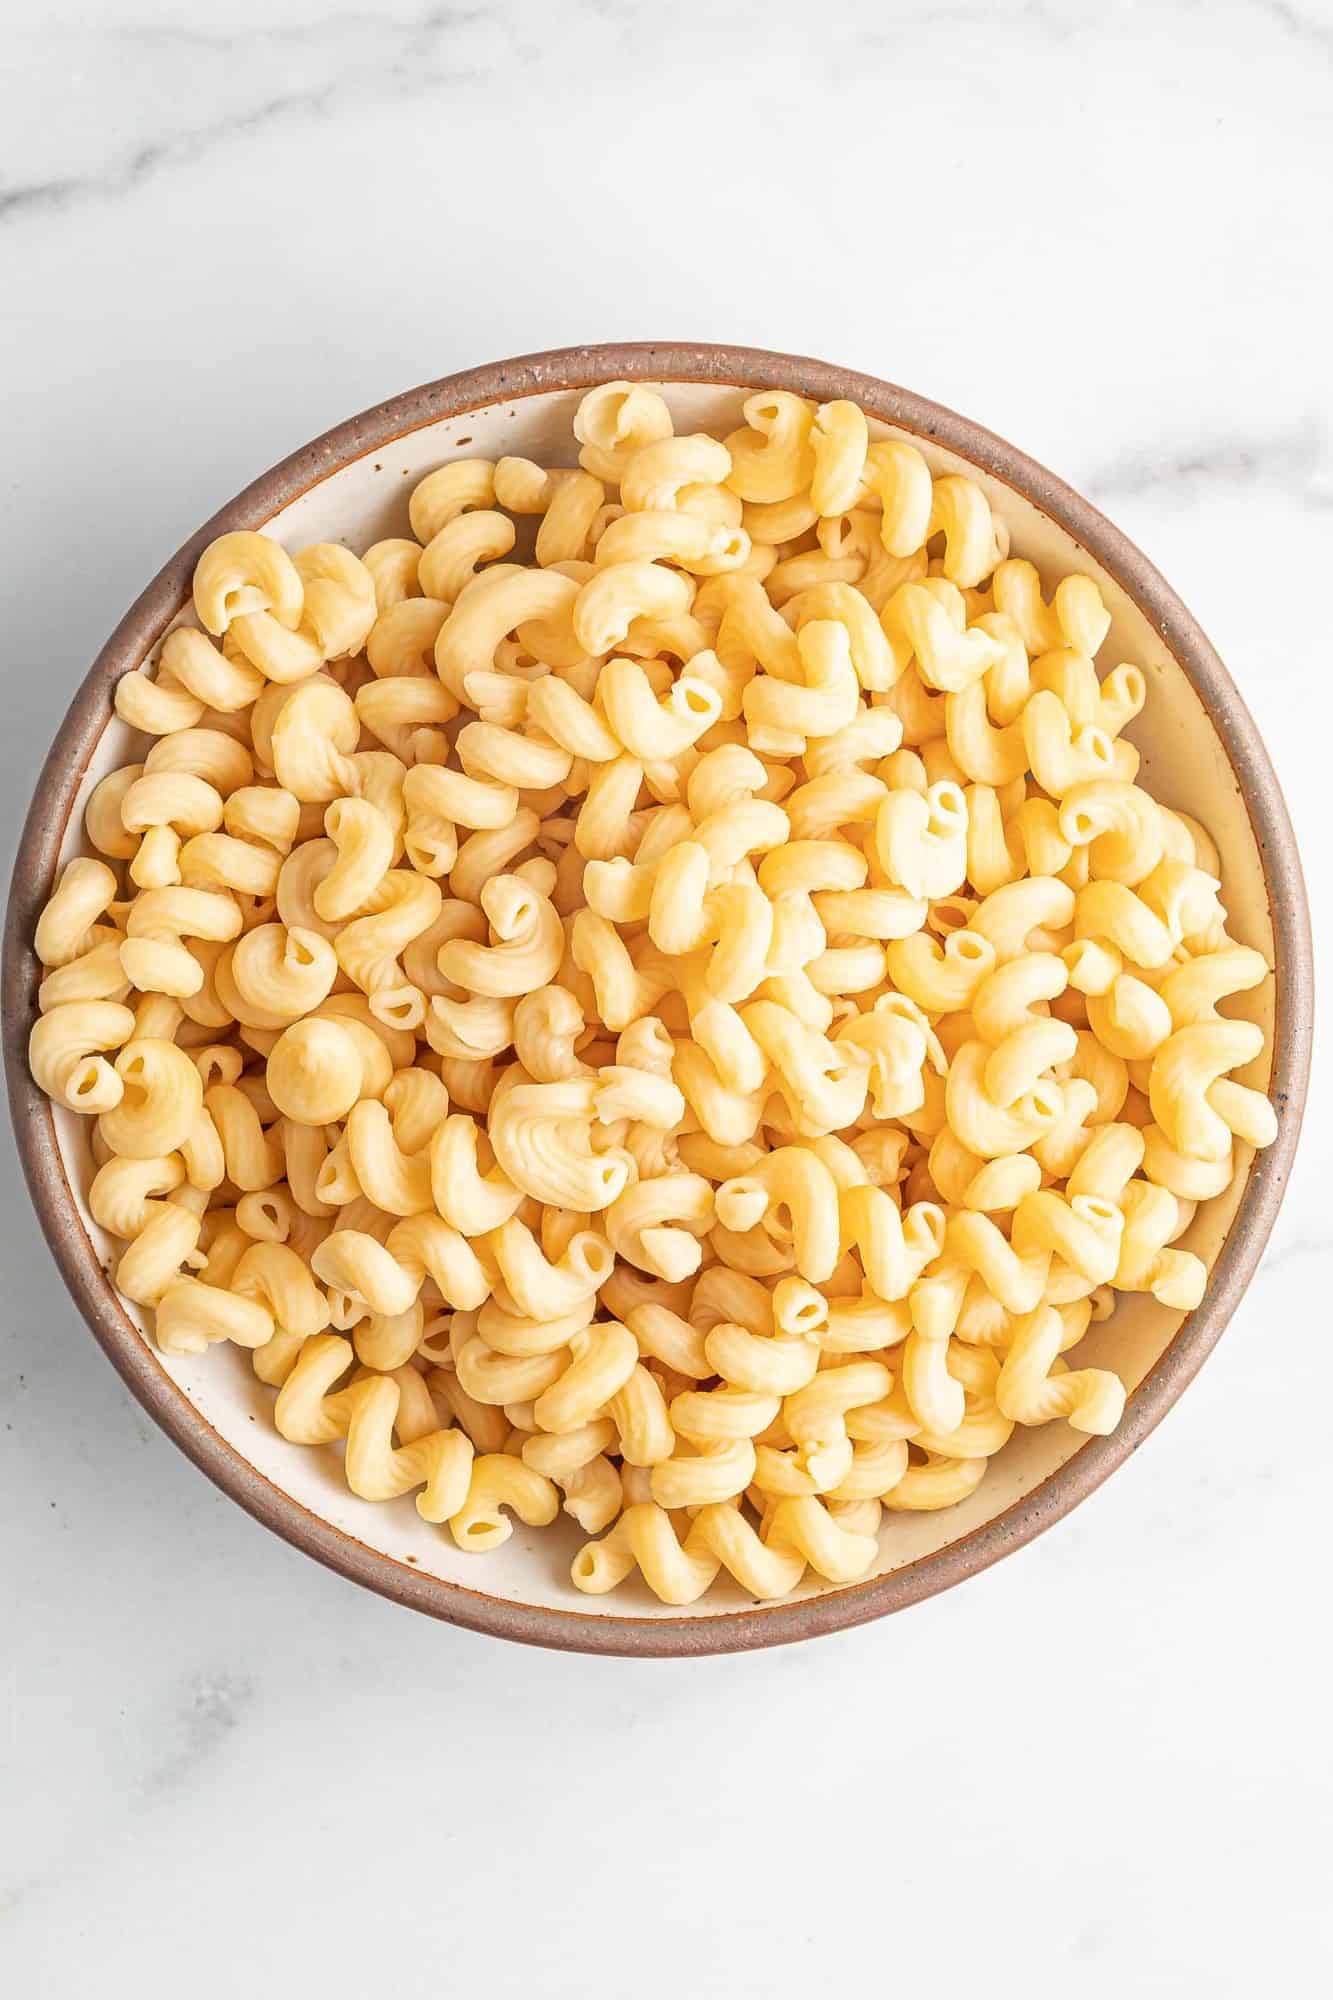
x=689 y=1030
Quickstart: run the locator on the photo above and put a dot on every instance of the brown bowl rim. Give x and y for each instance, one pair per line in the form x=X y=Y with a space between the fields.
x=764 y=1625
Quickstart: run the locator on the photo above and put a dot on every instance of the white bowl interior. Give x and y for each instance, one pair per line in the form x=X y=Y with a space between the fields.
x=1184 y=764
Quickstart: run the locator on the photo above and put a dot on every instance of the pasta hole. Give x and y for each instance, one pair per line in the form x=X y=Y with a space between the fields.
x=950 y=913
x=1046 y=1100
x=404 y=1013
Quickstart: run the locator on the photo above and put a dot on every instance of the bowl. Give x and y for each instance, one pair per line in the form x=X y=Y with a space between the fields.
x=1201 y=753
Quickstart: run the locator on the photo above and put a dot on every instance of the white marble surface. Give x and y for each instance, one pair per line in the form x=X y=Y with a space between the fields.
x=1103 y=231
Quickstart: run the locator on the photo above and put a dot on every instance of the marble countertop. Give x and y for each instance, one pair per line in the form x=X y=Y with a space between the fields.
x=1105 y=233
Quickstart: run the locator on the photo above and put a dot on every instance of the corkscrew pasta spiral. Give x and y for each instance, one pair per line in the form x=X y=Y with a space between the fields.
x=688 y=1030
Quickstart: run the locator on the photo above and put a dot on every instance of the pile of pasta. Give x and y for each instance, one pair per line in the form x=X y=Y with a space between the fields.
x=689 y=1027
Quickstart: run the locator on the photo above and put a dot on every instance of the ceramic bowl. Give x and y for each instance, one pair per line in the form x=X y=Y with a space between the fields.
x=1201 y=753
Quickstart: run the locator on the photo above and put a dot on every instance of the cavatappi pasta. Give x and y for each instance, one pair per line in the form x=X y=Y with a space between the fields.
x=687 y=1027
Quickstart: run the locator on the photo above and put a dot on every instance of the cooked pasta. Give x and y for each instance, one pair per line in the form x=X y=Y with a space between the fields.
x=687 y=1031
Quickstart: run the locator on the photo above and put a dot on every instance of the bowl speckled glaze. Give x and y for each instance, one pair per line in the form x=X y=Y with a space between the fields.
x=1201 y=753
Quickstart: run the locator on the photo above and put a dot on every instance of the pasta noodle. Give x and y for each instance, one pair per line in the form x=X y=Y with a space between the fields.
x=689 y=1030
